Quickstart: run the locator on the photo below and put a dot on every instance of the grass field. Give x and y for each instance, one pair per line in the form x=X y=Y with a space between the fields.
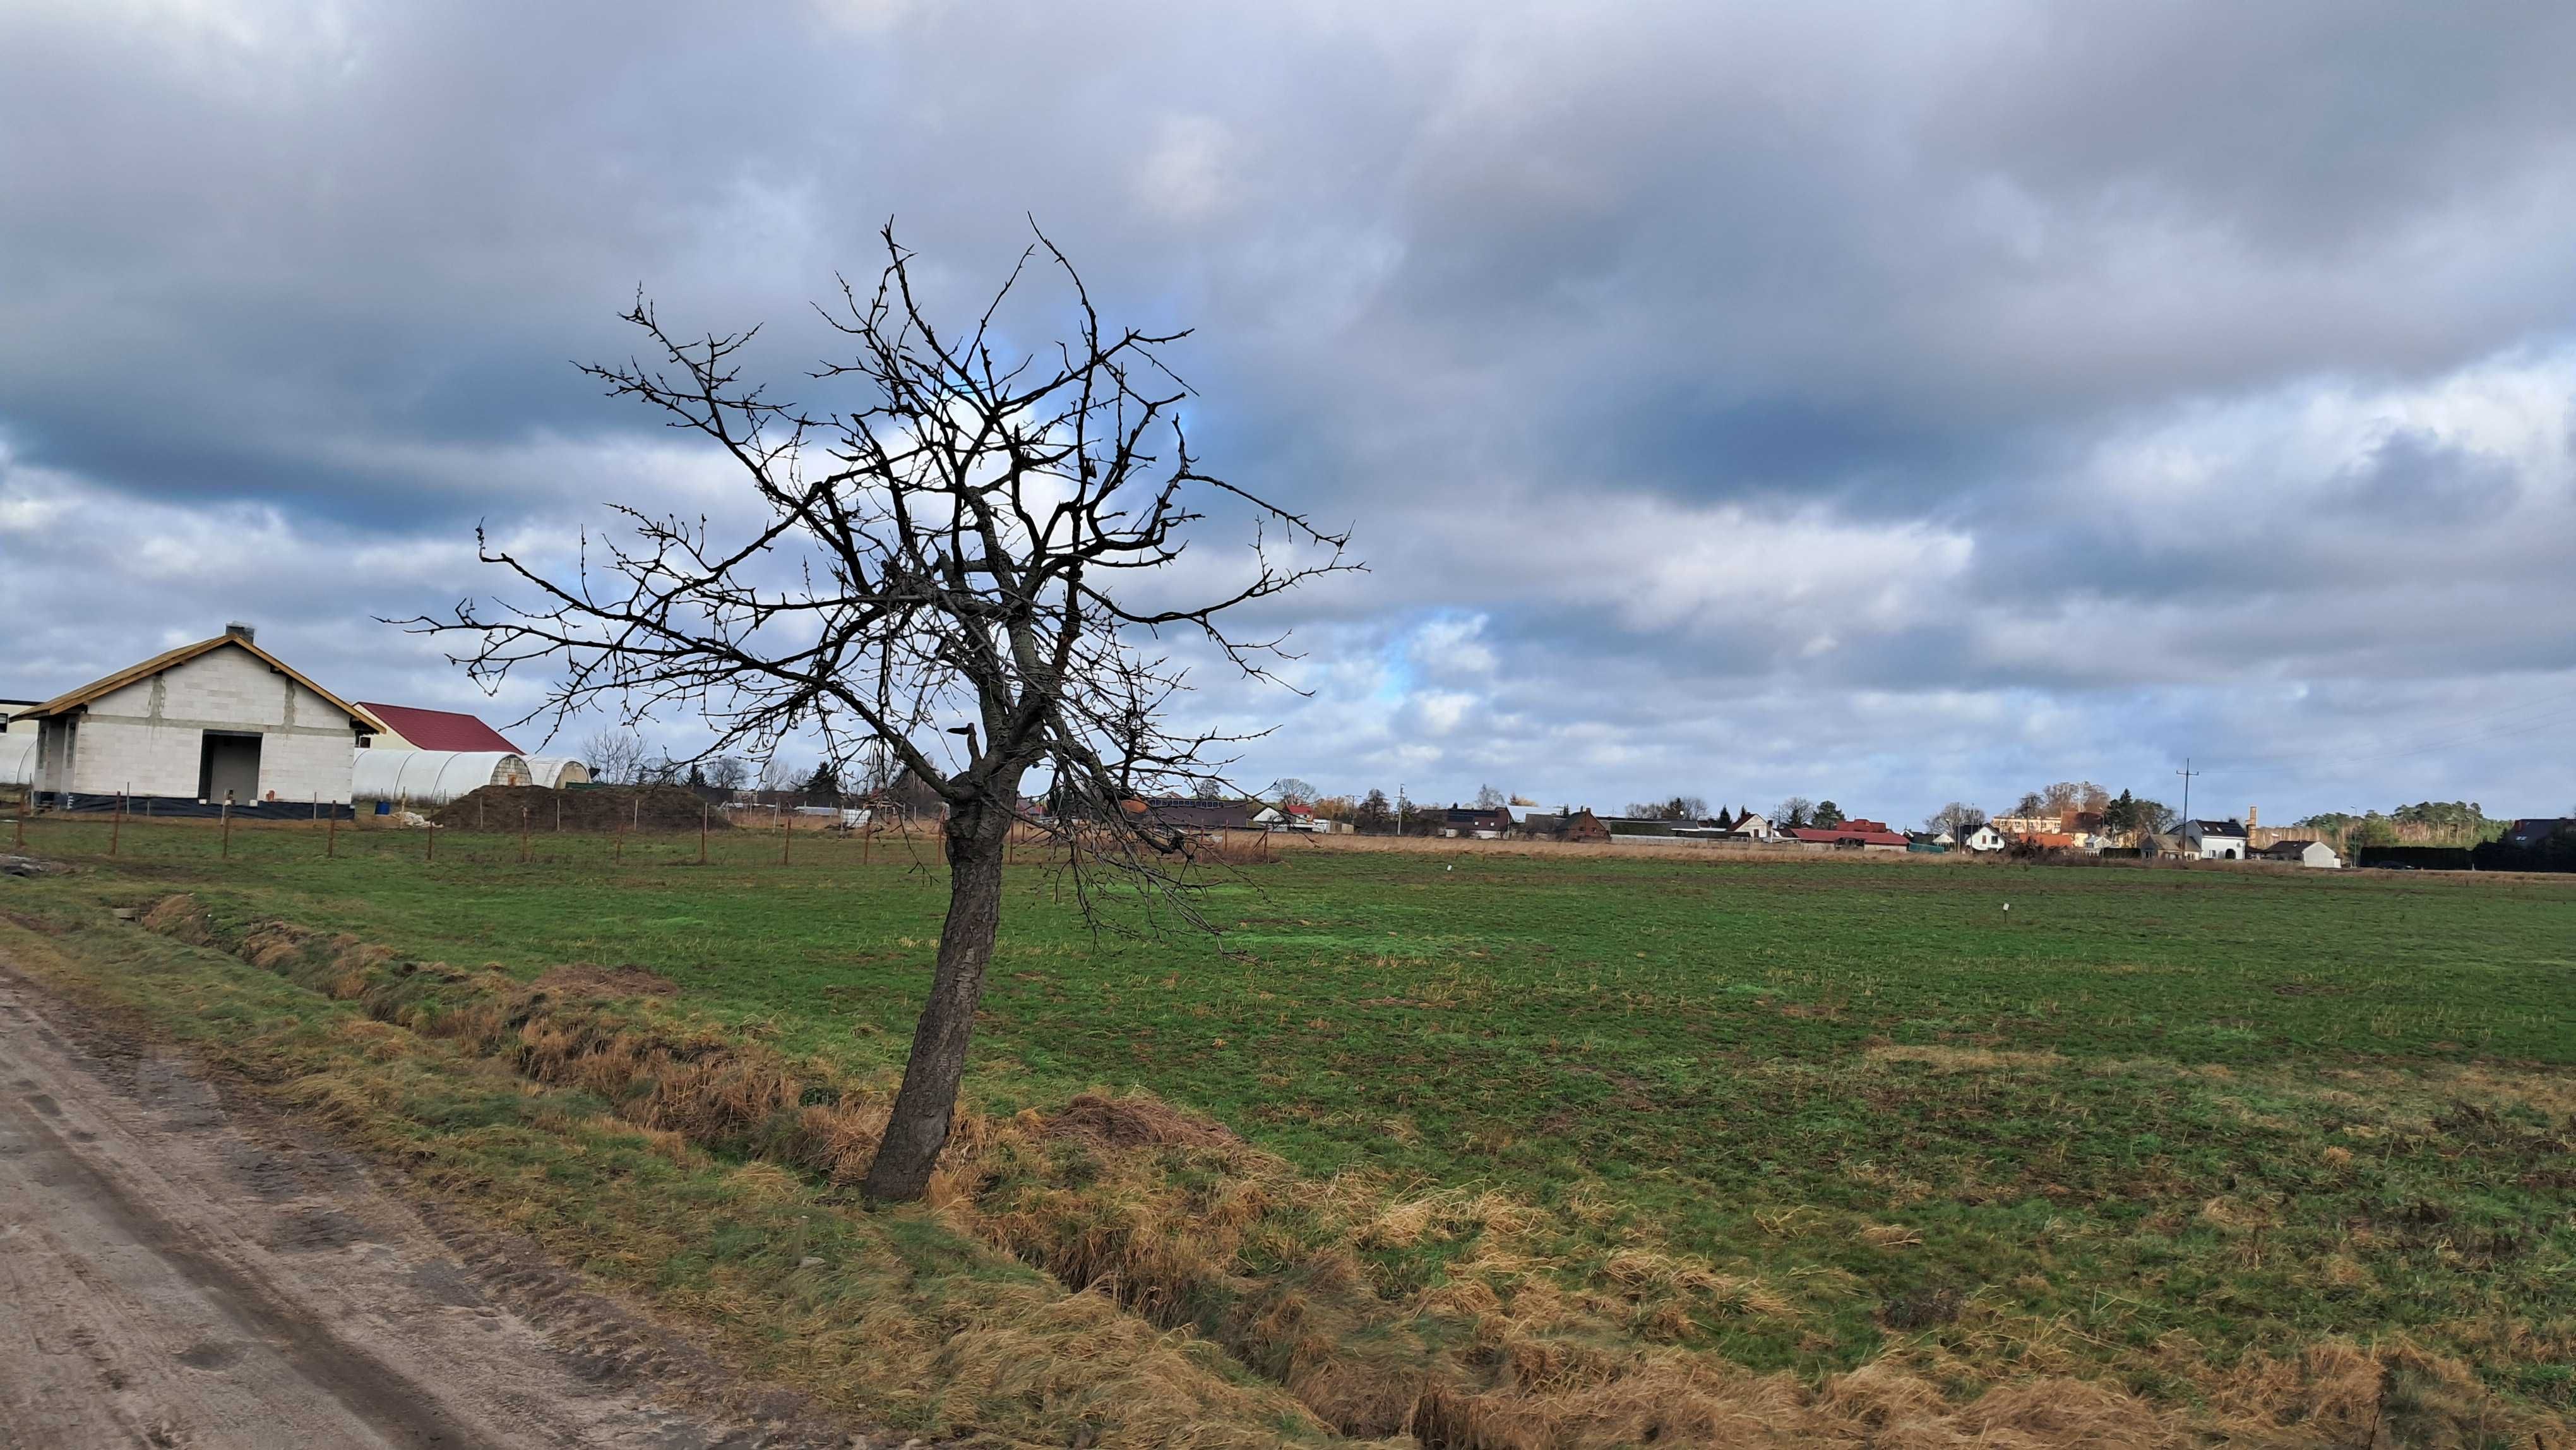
x=2185 y=1134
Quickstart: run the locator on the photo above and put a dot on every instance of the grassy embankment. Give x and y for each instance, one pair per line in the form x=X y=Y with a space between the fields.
x=1577 y=1149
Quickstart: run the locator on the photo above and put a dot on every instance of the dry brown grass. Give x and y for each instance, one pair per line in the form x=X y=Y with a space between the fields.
x=1157 y=1219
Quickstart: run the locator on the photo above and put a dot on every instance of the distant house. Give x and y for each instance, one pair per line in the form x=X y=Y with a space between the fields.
x=1985 y=839
x=408 y=727
x=2214 y=840
x=1476 y=822
x=217 y=722
x=2314 y=854
x=1290 y=816
x=1745 y=825
x=1850 y=836
x=1579 y=825
x=2029 y=825
x=2529 y=833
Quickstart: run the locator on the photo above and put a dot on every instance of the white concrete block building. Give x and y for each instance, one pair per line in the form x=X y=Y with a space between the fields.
x=215 y=721
x=2215 y=840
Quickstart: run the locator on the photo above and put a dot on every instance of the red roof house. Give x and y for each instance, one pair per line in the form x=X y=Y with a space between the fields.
x=1851 y=836
x=437 y=730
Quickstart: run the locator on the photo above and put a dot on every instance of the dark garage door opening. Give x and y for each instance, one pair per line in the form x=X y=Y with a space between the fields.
x=228 y=767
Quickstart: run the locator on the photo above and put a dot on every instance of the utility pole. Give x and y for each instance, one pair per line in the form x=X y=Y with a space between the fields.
x=2187 y=773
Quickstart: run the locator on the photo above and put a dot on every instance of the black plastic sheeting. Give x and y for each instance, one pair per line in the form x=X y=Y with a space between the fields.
x=143 y=806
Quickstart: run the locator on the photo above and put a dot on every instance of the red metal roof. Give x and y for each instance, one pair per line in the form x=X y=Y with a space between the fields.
x=439 y=729
x=1828 y=836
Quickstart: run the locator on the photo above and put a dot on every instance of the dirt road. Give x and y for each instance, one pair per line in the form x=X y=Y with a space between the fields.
x=179 y=1271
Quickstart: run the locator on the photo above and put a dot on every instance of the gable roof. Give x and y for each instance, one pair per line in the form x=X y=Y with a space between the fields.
x=1826 y=835
x=440 y=729
x=2532 y=830
x=2216 y=828
x=99 y=689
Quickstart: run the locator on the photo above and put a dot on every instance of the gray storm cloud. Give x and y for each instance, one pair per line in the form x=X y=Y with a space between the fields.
x=1893 y=405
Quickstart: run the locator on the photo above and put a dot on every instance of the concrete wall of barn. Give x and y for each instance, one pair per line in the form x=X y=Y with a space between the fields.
x=148 y=737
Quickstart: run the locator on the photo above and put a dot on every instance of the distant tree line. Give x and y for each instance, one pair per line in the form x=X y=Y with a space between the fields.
x=2426 y=823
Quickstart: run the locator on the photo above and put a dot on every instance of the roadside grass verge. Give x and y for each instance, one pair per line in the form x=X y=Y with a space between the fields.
x=891 y=1318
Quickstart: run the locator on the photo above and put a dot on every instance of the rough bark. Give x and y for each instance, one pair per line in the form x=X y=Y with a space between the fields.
x=923 y=1108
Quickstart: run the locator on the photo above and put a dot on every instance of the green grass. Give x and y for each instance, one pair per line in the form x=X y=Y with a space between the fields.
x=2156 y=1120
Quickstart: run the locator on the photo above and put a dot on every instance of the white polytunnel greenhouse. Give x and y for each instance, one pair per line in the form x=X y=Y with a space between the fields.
x=554 y=772
x=432 y=777
x=17 y=759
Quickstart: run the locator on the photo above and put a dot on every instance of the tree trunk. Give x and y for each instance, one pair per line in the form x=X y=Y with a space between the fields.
x=918 y=1128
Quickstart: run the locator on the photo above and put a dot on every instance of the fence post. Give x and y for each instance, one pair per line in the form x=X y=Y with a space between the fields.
x=24 y=801
x=785 y=825
x=621 y=845
x=523 y=835
x=228 y=828
x=331 y=836
x=433 y=840
x=116 y=827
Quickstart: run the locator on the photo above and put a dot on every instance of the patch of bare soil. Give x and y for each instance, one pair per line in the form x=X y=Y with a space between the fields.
x=607 y=808
x=179 y=1269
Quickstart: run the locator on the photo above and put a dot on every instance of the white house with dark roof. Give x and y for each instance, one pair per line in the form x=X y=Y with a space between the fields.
x=2215 y=840
x=215 y=722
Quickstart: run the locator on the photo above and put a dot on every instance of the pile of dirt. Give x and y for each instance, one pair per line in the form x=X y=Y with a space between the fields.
x=604 y=808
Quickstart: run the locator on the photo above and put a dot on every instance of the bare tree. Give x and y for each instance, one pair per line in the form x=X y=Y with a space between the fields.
x=1674 y=808
x=728 y=772
x=1289 y=790
x=953 y=564
x=615 y=756
x=780 y=773
x=1794 y=812
x=1488 y=798
x=1957 y=819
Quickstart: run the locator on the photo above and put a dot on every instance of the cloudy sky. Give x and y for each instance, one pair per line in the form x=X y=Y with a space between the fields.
x=1890 y=403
